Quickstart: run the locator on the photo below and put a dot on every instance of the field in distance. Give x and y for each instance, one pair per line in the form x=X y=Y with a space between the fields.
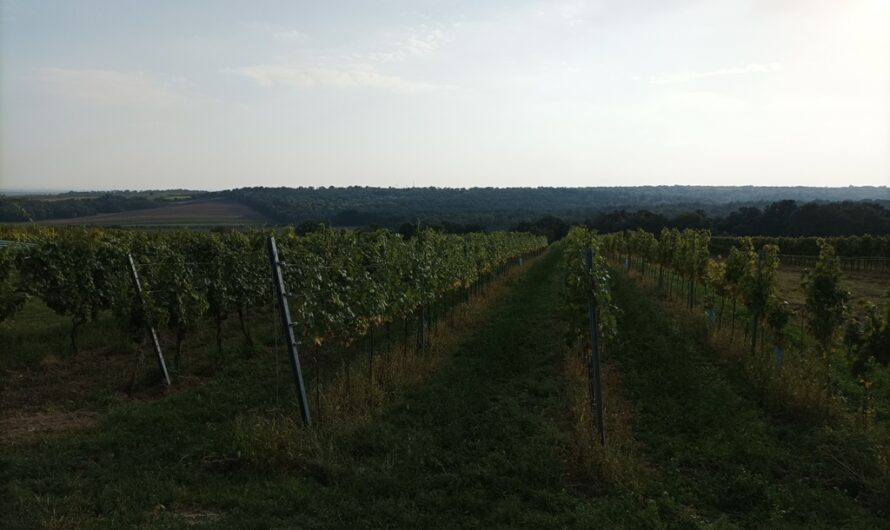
x=202 y=212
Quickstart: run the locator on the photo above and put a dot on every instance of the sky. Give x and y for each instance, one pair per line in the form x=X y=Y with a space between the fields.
x=122 y=94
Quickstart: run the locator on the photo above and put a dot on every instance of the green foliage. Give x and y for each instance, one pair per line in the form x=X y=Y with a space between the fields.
x=685 y=252
x=680 y=207
x=715 y=276
x=11 y=297
x=759 y=284
x=345 y=282
x=342 y=282
x=667 y=247
x=715 y=279
x=826 y=301
x=582 y=284
x=866 y=338
x=878 y=343
x=28 y=209
x=693 y=253
x=778 y=314
x=76 y=275
x=866 y=245
x=736 y=266
x=176 y=287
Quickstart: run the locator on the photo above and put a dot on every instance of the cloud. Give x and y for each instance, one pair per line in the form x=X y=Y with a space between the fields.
x=111 y=87
x=266 y=30
x=573 y=13
x=706 y=102
x=350 y=70
x=288 y=35
x=341 y=77
x=415 y=42
x=753 y=68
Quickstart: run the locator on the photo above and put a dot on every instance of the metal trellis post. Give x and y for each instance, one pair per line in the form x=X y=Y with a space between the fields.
x=596 y=384
x=134 y=276
x=289 y=336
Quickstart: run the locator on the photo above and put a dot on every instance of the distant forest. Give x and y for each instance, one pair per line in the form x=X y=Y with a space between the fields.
x=771 y=211
x=500 y=208
x=14 y=209
x=725 y=210
x=781 y=218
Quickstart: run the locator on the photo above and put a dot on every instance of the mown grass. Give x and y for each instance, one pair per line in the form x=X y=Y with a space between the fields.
x=801 y=382
x=856 y=446
x=864 y=287
x=718 y=451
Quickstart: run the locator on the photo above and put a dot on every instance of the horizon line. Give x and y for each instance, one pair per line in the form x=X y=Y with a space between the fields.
x=59 y=191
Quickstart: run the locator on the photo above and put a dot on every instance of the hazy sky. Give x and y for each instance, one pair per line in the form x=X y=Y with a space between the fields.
x=162 y=94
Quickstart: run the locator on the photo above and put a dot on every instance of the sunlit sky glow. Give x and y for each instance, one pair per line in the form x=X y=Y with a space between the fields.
x=210 y=95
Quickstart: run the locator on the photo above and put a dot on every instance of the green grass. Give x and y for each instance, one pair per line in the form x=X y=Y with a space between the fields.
x=864 y=287
x=718 y=453
x=802 y=360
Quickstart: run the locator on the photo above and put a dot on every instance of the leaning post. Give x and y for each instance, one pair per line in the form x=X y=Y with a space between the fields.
x=289 y=336
x=137 y=285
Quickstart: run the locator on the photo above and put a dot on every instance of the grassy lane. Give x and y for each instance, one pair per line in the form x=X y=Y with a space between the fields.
x=476 y=446
x=717 y=452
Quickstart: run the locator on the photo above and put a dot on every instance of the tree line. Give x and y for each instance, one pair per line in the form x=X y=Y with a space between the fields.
x=363 y=205
x=786 y=218
x=15 y=210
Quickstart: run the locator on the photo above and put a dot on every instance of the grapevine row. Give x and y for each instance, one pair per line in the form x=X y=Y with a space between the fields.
x=343 y=282
x=587 y=302
x=680 y=261
x=582 y=284
x=848 y=246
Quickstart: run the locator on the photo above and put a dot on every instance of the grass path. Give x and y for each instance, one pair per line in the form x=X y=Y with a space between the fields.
x=717 y=452
x=478 y=445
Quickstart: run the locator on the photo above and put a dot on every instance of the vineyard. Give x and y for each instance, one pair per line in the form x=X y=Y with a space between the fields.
x=579 y=264
x=425 y=365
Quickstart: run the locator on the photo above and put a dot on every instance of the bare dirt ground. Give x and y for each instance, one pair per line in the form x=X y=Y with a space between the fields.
x=28 y=425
